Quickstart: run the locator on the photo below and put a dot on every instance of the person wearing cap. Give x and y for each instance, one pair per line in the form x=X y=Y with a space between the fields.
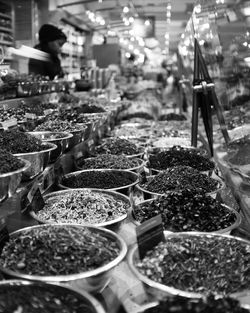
x=51 y=40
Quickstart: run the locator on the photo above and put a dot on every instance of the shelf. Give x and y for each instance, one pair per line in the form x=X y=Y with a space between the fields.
x=9 y=43
x=5 y=16
x=5 y=29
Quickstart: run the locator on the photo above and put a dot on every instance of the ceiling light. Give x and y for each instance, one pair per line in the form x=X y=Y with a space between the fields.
x=131 y=19
x=132 y=38
x=128 y=55
x=131 y=47
x=147 y=22
x=136 y=51
x=125 y=10
x=245 y=44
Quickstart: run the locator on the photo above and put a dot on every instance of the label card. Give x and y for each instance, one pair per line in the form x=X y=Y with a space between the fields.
x=9 y=123
x=35 y=198
x=149 y=234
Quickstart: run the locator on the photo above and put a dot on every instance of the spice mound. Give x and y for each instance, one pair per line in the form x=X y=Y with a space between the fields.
x=41 y=298
x=90 y=108
x=83 y=206
x=176 y=156
x=178 y=178
x=9 y=163
x=57 y=250
x=108 y=161
x=201 y=264
x=118 y=146
x=98 y=179
x=207 y=305
x=15 y=141
x=187 y=211
x=57 y=125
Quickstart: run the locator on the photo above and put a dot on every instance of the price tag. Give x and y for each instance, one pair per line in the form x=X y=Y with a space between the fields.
x=48 y=178
x=35 y=198
x=149 y=234
x=4 y=233
x=9 y=123
x=30 y=116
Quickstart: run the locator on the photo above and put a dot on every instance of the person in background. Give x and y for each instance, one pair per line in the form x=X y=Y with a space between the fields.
x=51 y=40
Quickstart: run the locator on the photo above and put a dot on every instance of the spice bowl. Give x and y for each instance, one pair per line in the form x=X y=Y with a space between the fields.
x=38 y=160
x=98 y=206
x=10 y=181
x=79 y=256
x=60 y=139
x=78 y=136
x=225 y=222
x=122 y=181
x=46 y=297
x=183 y=256
x=220 y=185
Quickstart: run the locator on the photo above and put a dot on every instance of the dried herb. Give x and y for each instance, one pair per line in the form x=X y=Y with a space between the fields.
x=172 y=117
x=90 y=108
x=108 y=161
x=179 y=178
x=177 y=155
x=57 y=125
x=187 y=211
x=206 y=305
x=57 y=250
x=201 y=264
x=118 y=146
x=9 y=163
x=15 y=141
x=41 y=298
x=98 y=179
x=81 y=207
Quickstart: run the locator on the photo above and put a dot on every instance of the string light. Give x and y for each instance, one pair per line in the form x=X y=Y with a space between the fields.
x=168 y=21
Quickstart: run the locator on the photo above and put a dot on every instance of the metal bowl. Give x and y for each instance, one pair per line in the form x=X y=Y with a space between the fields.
x=167 y=142
x=93 y=280
x=87 y=301
x=225 y=231
x=133 y=169
x=160 y=291
x=112 y=224
x=38 y=160
x=10 y=181
x=149 y=194
x=62 y=141
x=122 y=189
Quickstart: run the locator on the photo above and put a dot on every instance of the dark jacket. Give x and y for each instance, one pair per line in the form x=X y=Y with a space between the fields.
x=50 y=68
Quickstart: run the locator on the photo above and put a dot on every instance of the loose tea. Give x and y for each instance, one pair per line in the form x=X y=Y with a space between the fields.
x=118 y=146
x=206 y=305
x=108 y=161
x=201 y=264
x=57 y=125
x=41 y=298
x=15 y=141
x=98 y=179
x=90 y=108
x=57 y=250
x=187 y=211
x=176 y=156
x=81 y=207
x=9 y=163
x=179 y=178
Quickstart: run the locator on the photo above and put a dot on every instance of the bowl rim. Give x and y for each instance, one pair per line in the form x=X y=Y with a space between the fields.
x=66 y=278
x=101 y=170
x=142 y=163
x=172 y=290
x=70 y=190
x=80 y=292
x=51 y=145
x=66 y=135
x=219 y=231
x=26 y=165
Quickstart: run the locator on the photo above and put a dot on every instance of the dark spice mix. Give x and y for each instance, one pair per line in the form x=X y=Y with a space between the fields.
x=187 y=211
x=9 y=163
x=57 y=250
x=199 y=264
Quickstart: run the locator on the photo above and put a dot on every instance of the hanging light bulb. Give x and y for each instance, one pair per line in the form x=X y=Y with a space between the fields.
x=125 y=10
